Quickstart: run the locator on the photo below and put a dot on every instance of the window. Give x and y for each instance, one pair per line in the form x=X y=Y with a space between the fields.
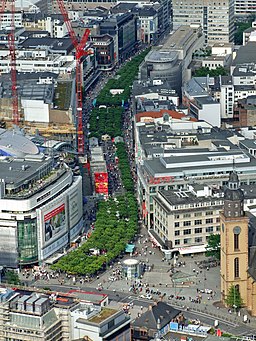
x=209 y=213
x=186 y=215
x=187 y=231
x=187 y=223
x=198 y=230
x=198 y=239
x=198 y=222
x=177 y=242
x=209 y=221
x=176 y=224
x=209 y=229
x=176 y=216
x=187 y=240
x=177 y=233
x=236 y=242
x=236 y=267
x=198 y=214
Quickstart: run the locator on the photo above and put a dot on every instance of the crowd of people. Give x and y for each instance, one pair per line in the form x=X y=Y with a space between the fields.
x=114 y=178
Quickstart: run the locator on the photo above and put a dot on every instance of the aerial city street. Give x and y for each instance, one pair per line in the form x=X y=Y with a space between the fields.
x=128 y=170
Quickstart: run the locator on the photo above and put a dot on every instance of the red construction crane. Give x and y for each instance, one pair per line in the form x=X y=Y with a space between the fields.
x=80 y=52
x=11 y=45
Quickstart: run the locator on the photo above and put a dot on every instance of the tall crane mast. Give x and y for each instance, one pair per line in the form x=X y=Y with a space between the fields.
x=80 y=52
x=11 y=46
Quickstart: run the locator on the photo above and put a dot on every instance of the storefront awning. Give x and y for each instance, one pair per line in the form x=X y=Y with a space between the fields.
x=156 y=239
x=192 y=249
x=54 y=259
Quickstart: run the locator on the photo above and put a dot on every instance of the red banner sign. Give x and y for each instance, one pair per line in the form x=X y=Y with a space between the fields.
x=54 y=212
x=101 y=182
x=162 y=179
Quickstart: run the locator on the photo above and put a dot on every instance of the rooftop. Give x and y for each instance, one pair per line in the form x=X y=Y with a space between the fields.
x=186 y=197
x=206 y=100
x=55 y=44
x=179 y=38
x=245 y=54
x=158 y=114
x=103 y=315
x=88 y=296
x=186 y=165
x=163 y=56
x=162 y=311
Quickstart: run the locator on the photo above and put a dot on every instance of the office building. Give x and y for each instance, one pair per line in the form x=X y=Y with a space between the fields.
x=245 y=9
x=215 y=19
x=123 y=28
x=176 y=168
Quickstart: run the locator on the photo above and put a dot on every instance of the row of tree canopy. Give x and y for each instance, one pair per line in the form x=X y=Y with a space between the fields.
x=115 y=225
x=109 y=120
x=117 y=219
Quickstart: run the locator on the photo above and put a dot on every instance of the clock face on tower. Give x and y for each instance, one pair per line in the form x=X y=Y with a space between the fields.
x=237 y=230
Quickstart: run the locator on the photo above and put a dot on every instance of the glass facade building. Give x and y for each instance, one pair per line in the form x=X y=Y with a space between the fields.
x=27 y=241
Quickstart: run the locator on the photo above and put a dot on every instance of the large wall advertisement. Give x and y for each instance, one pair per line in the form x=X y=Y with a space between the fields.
x=53 y=232
x=54 y=223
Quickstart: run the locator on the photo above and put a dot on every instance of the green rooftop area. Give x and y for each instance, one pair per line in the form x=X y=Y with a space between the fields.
x=62 y=95
x=103 y=315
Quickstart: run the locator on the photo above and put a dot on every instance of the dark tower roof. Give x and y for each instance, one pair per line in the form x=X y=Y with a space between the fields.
x=233 y=198
x=233 y=192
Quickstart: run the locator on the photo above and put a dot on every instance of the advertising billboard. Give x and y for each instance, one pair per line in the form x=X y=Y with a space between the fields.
x=101 y=182
x=54 y=223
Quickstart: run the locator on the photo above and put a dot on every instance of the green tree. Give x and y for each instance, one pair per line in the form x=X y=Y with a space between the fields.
x=213 y=246
x=204 y=71
x=240 y=28
x=234 y=299
x=12 y=277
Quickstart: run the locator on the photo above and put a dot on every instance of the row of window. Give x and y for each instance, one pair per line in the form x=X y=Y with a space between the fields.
x=196 y=222
x=209 y=229
x=196 y=214
x=188 y=240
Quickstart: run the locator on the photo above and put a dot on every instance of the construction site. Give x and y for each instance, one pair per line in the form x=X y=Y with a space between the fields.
x=49 y=102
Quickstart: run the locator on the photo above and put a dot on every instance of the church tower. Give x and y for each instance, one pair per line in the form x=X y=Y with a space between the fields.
x=234 y=240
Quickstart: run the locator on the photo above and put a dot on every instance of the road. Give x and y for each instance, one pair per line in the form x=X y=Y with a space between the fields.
x=228 y=325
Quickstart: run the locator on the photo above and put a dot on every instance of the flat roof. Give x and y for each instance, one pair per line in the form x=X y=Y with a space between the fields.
x=206 y=100
x=245 y=54
x=103 y=315
x=162 y=56
x=156 y=167
x=15 y=174
x=57 y=44
x=89 y=296
x=184 y=197
x=177 y=39
x=248 y=143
